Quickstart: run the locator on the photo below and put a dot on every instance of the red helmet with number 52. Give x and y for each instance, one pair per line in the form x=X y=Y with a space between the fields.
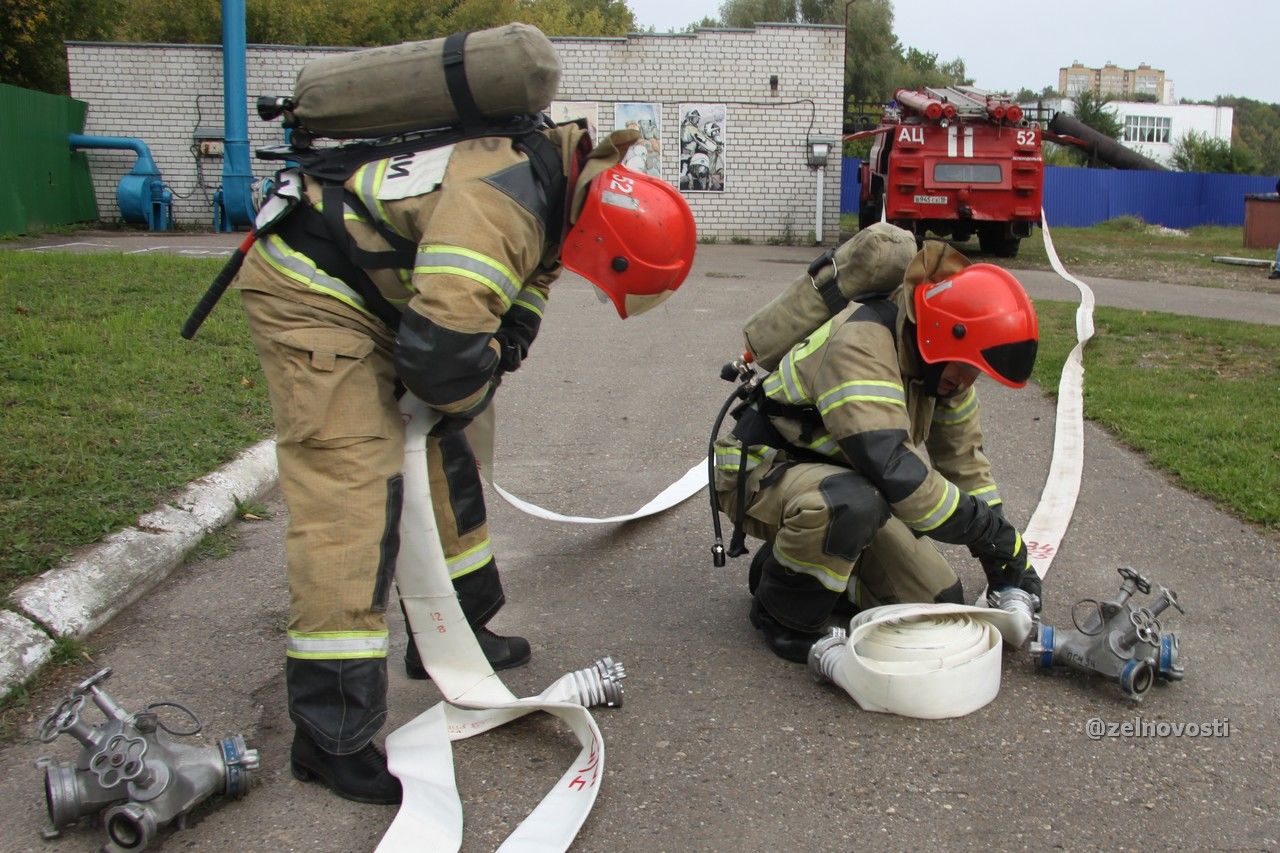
x=980 y=316
x=634 y=239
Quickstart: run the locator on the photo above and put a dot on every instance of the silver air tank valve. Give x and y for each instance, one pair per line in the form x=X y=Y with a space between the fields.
x=1117 y=638
x=130 y=770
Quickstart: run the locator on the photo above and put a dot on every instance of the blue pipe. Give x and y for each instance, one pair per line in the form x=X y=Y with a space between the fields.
x=146 y=165
x=233 y=205
x=141 y=194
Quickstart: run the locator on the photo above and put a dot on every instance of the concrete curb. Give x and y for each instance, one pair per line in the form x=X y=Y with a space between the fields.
x=78 y=598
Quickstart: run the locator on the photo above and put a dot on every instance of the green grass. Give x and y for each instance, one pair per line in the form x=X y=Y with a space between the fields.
x=1200 y=398
x=104 y=408
x=1128 y=248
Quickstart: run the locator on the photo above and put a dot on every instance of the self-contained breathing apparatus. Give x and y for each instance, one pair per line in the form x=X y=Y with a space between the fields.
x=414 y=97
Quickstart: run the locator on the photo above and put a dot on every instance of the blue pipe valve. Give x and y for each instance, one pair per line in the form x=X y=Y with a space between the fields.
x=142 y=194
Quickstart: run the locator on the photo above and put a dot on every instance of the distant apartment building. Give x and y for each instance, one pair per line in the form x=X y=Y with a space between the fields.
x=1115 y=81
x=1150 y=129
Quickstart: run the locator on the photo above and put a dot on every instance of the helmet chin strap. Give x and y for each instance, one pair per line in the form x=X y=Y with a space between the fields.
x=931 y=375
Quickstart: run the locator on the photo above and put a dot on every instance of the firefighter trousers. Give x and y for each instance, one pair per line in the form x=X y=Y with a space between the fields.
x=340 y=449
x=832 y=534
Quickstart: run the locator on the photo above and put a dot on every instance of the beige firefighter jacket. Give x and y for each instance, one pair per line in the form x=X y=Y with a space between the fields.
x=476 y=215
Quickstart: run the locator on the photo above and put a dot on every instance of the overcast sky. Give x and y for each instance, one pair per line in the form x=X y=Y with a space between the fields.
x=1226 y=47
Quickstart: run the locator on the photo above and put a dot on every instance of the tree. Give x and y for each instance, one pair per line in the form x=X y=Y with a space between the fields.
x=1256 y=130
x=1092 y=110
x=921 y=68
x=369 y=22
x=747 y=13
x=707 y=23
x=32 y=32
x=1198 y=152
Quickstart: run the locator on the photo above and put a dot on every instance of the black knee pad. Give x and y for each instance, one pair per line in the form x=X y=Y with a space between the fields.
x=763 y=554
x=858 y=510
x=953 y=594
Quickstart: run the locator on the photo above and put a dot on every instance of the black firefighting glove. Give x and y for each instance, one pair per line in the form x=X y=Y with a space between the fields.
x=513 y=350
x=515 y=335
x=1004 y=560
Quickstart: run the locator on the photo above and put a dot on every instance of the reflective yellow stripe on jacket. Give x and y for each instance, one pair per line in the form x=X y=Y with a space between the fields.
x=298 y=267
x=455 y=260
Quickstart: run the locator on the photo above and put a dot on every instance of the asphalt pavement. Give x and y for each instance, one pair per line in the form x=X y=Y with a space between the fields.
x=720 y=745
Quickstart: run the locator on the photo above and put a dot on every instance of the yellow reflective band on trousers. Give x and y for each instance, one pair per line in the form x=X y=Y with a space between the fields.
x=963 y=409
x=531 y=299
x=470 y=560
x=730 y=458
x=940 y=512
x=831 y=580
x=862 y=390
x=298 y=267
x=455 y=260
x=337 y=645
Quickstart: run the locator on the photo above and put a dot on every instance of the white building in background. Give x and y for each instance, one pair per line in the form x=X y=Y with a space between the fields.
x=1152 y=129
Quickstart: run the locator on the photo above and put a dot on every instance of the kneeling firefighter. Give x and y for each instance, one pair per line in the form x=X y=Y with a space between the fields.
x=424 y=268
x=827 y=462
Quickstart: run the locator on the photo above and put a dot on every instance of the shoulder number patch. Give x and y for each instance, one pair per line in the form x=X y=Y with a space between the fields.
x=419 y=173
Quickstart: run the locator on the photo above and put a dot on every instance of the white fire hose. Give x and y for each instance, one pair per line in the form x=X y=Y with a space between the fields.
x=475 y=699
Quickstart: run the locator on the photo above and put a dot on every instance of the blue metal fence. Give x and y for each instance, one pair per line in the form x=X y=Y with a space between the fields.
x=1083 y=197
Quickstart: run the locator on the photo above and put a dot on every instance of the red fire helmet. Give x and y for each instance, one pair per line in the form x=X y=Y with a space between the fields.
x=980 y=316
x=634 y=239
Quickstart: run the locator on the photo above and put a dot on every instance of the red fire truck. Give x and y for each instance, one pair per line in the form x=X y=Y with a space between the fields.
x=955 y=161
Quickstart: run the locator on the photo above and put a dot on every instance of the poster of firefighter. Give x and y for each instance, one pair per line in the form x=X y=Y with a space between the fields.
x=562 y=111
x=703 y=135
x=646 y=154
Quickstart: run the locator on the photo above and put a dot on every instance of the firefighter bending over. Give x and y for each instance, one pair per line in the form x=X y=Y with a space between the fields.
x=837 y=480
x=484 y=226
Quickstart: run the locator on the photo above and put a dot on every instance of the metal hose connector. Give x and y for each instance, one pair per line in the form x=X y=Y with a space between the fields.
x=599 y=684
x=1013 y=600
x=825 y=653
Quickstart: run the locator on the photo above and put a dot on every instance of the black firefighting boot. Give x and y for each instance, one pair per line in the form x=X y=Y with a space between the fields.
x=789 y=608
x=361 y=776
x=501 y=652
x=337 y=706
x=786 y=643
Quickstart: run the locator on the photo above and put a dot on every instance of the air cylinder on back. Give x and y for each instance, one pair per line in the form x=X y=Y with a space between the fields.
x=509 y=70
x=872 y=261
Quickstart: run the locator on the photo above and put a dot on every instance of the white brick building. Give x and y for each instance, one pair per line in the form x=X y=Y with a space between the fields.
x=780 y=83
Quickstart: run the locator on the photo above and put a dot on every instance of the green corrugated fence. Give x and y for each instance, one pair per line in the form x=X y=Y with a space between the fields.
x=42 y=181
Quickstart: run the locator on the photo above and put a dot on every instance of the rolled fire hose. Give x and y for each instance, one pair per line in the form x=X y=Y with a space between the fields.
x=475 y=699
x=929 y=661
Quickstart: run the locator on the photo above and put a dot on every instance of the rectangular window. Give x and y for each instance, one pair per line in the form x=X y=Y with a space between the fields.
x=967 y=173
x=1147 y=128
